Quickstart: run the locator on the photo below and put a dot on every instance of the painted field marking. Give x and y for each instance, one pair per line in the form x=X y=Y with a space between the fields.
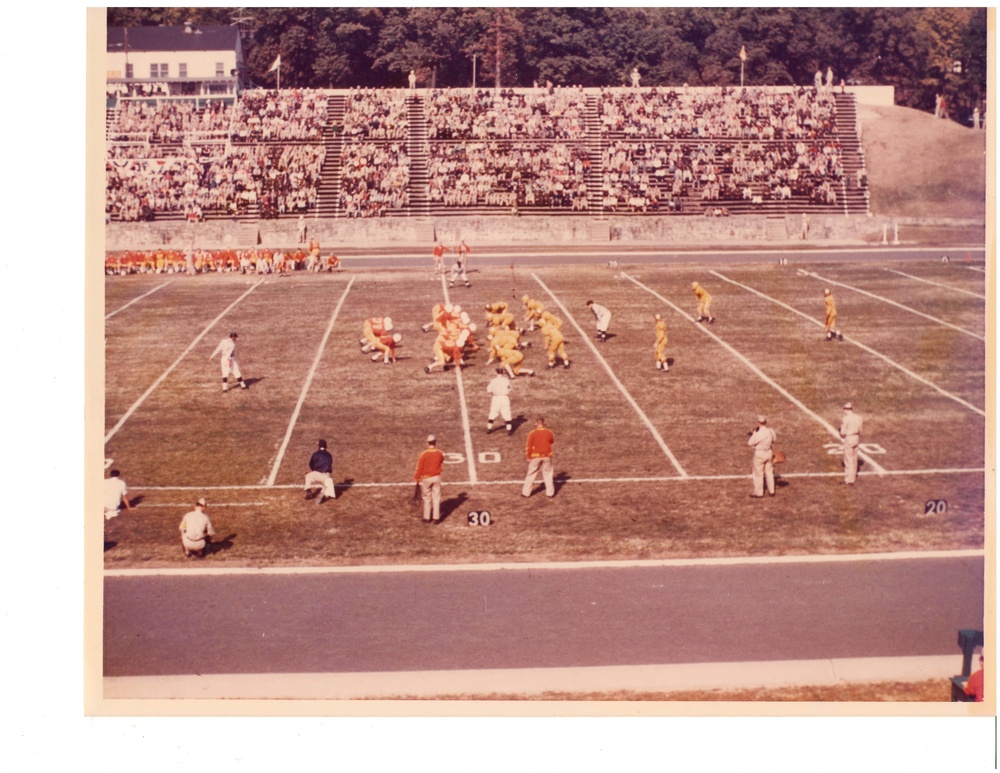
x=466 y=429
x=177 y=362
x=896 y=304
x=307 y=384
x=858 y=344
x=134 y=300
x=936 y=284
x=638 y=563
x=600 y=481
x=210 y=504
x=976 y=268
x=763 y=376
x=614 y=378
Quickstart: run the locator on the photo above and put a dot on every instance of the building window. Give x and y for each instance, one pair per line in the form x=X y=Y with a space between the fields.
x=182 y=70
x=220 y=69
x=164 y=71
x=129 y=71
x=154 y=71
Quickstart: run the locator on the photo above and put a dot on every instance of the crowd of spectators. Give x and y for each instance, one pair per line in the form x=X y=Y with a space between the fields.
x=168 y=121
x=376 y=114
x=464 y=114
x=199 y=261
x=374 y=178
x=289 y=115
x=509 y=174
x=726 y=113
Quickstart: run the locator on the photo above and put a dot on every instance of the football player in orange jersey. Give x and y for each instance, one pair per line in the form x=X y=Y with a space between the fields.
x=660 y=345
x=555 y=343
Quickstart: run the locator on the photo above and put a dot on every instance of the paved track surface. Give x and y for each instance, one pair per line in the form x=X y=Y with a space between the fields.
x=535 y=618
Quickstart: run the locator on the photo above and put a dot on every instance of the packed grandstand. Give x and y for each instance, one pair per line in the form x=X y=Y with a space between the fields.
x=393 y=152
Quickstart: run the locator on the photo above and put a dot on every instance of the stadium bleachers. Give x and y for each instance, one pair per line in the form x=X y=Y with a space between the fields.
x=392 y=153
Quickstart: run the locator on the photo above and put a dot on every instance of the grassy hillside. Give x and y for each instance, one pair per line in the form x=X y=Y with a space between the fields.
x=920 y=166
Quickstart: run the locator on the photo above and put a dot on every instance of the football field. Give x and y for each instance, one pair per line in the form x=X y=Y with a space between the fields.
x=648 y=464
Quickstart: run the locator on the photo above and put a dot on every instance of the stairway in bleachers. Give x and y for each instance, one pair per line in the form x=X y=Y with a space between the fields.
x=328 y=190
x=417 y=151
x=595 y=150
x=855 y=198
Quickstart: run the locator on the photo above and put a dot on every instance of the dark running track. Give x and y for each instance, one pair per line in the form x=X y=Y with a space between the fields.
x=524 y=618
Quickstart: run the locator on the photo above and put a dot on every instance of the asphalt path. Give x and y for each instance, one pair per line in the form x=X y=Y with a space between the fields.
x=537 y=618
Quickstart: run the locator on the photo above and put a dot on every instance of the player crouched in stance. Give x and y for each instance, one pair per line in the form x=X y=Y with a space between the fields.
x=504 y=346
x=196 y=531
x=555 y=341
x=227 y=347
x=533 y=312
x=830 y=317
x=660 y=345
x=455 y=333
x=499 y=390
x=603 y=315
x=380 y=338
x=704 y=303
x=320 y=474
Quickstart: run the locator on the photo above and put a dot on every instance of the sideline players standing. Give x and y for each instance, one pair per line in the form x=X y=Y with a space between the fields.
x=227 y=347
x=439 y=251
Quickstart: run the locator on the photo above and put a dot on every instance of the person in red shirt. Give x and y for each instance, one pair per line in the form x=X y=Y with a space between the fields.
x=974 y=687
x=538 y=451
x=439 y=251
x=428 y=477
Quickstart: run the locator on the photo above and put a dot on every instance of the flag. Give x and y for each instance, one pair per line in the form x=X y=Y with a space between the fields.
x=276 y=65
x=743 y=53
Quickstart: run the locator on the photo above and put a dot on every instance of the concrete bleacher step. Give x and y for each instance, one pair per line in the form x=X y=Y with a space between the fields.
x=776 y=230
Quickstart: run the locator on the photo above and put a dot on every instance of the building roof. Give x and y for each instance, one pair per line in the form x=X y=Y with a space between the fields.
x=208 y=38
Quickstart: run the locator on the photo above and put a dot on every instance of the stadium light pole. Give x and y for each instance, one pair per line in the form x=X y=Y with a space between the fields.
x=474 y=70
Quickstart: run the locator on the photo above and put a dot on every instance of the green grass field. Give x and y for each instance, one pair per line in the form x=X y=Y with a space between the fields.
x=913 y=363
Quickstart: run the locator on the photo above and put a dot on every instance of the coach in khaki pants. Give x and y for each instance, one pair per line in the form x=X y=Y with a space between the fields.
x=539 y=453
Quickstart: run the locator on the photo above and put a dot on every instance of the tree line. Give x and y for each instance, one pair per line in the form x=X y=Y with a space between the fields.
x=922 y=52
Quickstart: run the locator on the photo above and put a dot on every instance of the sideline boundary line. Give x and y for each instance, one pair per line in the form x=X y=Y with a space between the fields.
x=621 y=387
x=602 y=481
x=305 y=387
x=526 y=566
x=116 y=311
x=857 y=343
x=643 y=678
x=879 y=469
x=935 y=284
x=466 y=429
x=177 y=362
x=891 y=302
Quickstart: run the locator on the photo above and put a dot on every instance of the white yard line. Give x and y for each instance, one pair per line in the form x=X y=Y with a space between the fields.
x=825 y=558
x=466 y=429
x=134 y=300
x=862 y=346
x=306 y=385
x=763 y=376
x=936 y=284
x=616 y=381
x=894 y=303
x=568 y=481
x=976 y=268
x=210 y=504
x=177 y=362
